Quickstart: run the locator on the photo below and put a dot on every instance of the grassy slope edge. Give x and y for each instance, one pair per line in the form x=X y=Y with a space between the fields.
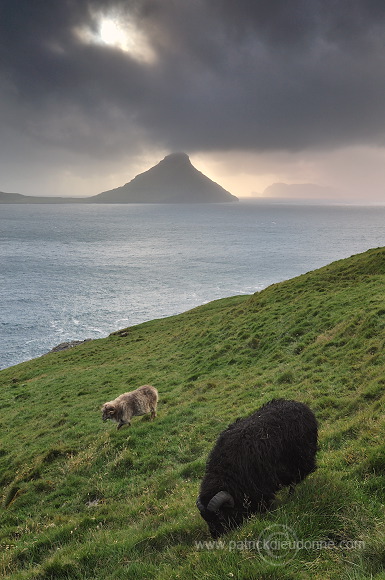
x=82 y=500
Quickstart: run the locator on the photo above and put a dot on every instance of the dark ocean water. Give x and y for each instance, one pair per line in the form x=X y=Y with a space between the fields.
x=70 y=272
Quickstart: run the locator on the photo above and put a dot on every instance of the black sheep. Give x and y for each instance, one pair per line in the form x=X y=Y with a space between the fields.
x=253 y=458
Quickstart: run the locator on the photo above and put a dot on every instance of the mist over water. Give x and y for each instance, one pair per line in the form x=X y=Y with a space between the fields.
x=71 y=272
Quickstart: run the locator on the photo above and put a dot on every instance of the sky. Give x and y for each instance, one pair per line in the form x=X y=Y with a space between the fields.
x=93 y=92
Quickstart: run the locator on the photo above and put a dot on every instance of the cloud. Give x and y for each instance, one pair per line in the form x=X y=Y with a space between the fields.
x=251 y=75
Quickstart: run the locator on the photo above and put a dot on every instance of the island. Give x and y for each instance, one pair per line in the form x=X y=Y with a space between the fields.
x=172 y=180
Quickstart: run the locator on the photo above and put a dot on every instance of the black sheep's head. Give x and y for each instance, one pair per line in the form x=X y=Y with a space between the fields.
x=219 y=513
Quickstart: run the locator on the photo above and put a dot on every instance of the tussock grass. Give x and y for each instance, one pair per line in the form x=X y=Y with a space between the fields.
x=81 y=500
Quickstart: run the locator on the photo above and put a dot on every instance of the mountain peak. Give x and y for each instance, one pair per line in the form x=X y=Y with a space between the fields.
x=172 y=180
x=180 y=156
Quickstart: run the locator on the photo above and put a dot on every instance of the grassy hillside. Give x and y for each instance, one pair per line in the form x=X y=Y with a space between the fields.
x=81 y=500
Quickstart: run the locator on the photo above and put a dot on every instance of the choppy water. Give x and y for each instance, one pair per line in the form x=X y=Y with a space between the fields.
x=70 y=272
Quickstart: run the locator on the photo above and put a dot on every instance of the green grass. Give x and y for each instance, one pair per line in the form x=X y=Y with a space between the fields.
x=81 y=500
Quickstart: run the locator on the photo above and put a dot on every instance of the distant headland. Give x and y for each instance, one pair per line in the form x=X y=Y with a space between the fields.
x=172 y=180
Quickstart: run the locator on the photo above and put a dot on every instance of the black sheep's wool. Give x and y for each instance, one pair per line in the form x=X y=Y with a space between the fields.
x=253 y=458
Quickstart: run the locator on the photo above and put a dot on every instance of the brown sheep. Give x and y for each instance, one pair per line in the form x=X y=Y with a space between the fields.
x=139 y=402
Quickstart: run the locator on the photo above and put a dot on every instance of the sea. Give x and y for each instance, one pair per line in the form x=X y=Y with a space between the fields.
x=73 y=272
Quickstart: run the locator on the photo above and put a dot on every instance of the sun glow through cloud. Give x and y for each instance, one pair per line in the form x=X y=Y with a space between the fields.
x=112 y=33
x=119 y=32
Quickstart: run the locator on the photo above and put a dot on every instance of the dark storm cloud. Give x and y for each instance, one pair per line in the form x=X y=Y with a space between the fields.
x=250 y=74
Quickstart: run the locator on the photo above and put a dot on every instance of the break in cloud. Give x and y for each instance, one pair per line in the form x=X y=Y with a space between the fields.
x=256 y=91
